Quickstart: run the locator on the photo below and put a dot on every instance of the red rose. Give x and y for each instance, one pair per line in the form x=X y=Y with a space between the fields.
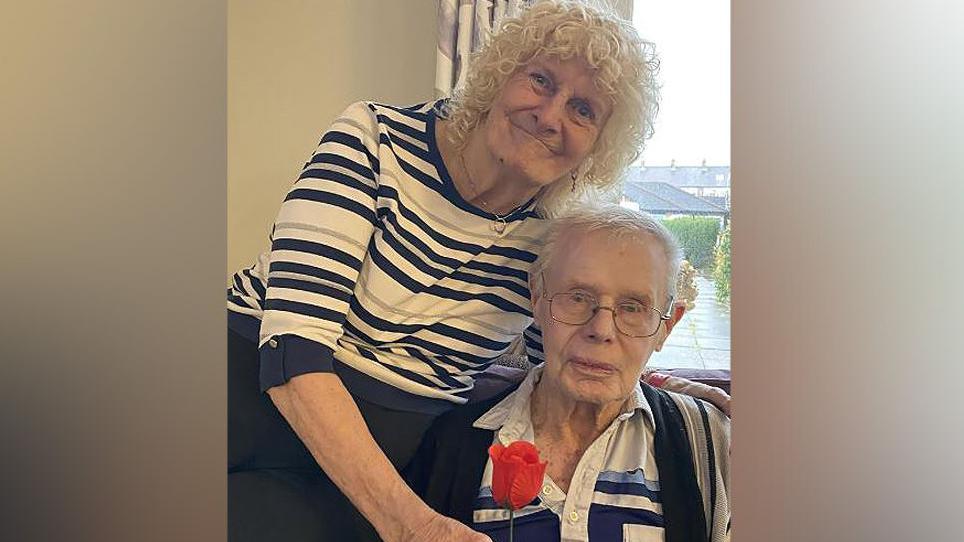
x=516 y=473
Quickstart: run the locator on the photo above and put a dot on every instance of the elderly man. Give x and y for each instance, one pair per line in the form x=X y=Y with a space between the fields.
x=625 y=461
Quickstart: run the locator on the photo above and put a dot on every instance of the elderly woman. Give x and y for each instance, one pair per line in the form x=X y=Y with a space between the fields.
x=623 y=461
x=398 y=271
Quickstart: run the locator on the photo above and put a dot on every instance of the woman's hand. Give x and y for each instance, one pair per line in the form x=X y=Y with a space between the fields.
x=439 y=527
x=325 y=417
x=719 y=398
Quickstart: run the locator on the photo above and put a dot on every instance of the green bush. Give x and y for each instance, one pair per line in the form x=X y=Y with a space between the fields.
x=721 y=267
x=697 y=237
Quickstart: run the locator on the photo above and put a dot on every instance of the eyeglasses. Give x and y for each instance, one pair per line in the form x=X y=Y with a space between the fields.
x=632 y=318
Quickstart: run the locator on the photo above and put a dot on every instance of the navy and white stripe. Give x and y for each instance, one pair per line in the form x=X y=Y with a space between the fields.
x=532 y=522
x=622 y=499
x=378 y=263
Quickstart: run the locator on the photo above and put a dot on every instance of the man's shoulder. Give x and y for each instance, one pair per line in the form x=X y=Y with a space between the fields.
x=696 y=408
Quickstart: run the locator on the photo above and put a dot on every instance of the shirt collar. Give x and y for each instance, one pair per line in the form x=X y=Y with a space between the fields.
x=510 y=416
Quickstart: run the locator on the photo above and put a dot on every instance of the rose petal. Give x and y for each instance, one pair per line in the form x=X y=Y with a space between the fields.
x=517 y=474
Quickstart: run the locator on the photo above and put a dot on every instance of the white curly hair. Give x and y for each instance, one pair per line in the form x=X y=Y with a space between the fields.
x=625 y=68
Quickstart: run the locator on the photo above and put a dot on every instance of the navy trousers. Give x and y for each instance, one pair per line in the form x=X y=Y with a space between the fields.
x=276 y=490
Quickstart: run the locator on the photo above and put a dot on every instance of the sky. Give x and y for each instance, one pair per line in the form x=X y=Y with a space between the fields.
x=692 y=40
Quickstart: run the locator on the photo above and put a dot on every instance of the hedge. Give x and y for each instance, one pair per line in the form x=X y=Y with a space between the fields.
x=721 y=267
x=697 y=237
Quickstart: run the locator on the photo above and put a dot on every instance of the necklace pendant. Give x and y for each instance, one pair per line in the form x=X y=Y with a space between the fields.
x=498 y=225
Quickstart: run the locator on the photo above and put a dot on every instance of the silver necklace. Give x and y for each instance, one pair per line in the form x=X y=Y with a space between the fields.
x=498 y=225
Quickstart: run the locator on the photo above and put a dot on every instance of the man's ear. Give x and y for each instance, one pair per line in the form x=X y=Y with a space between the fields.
x=535 y=294
x=676 y=313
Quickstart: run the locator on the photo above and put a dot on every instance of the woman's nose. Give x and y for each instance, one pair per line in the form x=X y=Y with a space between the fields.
x=550 y=113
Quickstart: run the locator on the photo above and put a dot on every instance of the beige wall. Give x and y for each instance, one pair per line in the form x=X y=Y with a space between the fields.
x=292 y=67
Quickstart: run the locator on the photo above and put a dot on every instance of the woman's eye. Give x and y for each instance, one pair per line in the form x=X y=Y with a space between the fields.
x=584 y=111
x=539 y=79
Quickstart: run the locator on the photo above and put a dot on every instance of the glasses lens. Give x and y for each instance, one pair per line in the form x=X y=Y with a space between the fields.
x=632 y=318
x=636 y=319
x=572 y=307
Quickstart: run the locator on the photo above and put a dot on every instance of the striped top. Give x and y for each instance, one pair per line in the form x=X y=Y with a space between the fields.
x=615 y=490
x=381 y=272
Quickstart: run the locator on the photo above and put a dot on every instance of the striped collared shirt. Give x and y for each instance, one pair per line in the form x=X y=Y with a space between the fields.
x=615 y=490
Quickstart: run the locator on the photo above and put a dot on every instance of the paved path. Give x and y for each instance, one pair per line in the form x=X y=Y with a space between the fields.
x=701 y=340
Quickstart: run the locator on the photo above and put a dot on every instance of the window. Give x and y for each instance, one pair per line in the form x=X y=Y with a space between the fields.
x=683 y=175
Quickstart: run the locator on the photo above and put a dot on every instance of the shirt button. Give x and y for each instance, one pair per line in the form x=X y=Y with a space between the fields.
x=573 y=516
x=546 y=489
x=273 y=343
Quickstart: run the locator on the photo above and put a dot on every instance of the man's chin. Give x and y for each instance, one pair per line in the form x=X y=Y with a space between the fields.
x=592 y=391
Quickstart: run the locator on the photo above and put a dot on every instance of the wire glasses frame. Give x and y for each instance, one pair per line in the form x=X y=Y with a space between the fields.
x=585 y=306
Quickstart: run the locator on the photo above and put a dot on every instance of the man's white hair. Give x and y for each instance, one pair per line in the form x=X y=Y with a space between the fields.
x=621 y=223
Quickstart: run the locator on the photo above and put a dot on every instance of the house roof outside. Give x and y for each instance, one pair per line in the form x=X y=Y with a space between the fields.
x=682 y=176
x=664 y=198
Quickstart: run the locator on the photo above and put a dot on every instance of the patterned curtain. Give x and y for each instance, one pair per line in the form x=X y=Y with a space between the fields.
x=462 y=28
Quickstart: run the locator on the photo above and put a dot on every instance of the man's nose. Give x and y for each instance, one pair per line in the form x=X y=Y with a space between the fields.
x=602 y=325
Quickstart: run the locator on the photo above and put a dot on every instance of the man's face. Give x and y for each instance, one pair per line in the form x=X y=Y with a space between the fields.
x=594 y=362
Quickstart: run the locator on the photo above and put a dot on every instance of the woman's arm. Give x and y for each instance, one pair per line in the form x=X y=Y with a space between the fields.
x=319 y=244
x=719 y=398
x=329 y=423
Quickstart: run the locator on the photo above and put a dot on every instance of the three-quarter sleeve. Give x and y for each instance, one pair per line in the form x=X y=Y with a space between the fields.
x=319 y=241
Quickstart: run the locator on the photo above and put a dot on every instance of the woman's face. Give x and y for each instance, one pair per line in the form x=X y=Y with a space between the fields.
x=546 y=120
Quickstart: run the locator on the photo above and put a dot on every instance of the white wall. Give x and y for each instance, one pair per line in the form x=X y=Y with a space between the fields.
x=293 y=65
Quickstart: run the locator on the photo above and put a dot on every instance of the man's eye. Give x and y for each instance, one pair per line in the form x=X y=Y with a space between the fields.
x=577 y=297
x=631 y=308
